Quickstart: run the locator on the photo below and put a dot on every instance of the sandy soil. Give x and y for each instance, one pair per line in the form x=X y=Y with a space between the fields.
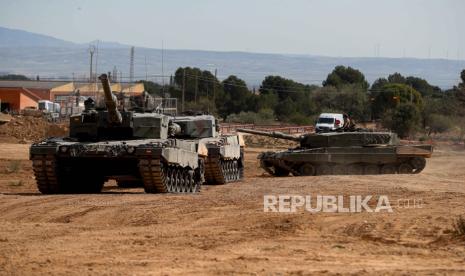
x=223 y=229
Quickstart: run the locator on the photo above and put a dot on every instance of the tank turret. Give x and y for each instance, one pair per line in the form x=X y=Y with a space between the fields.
x=110 y=123
x=197 y=126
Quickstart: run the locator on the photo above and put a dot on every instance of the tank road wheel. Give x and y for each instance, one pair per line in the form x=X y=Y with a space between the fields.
x=264 y=165
x=324 y=170
x=227 y=171
x=197 y=177
x=223 y=171
x=278 y=171
x=340 y=169
x=307 y=169
x=405 y=168
x=231 y=171
x=169 y=178
x=355 y=169
x=237 y=173
x=185 y=184
x=418 y=164
x=371 y=169
x=177 y=181
x=185 y=181
x=189 y=180
x=388 y=169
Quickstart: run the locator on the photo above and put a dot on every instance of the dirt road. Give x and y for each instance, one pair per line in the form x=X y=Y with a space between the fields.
x=224 y=230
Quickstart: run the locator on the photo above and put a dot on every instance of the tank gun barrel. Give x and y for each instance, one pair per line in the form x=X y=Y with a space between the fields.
x=274 y=134
x=114 y=116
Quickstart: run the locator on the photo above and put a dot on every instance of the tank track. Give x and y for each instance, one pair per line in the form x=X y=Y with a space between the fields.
x=408 y=166
x=158 y=177
x=45 y=172
x=219 y=171
x=51 y=177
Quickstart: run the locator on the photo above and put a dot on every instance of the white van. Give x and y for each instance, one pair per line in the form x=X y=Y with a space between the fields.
x=329 y=122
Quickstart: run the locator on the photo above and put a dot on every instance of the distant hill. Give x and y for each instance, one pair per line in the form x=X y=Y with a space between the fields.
x=34 y=54
x=19 y=38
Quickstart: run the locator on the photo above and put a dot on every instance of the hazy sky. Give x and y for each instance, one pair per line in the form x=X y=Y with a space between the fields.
x=394 y=28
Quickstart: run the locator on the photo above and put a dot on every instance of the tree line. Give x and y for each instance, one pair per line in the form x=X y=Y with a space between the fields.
x=404 y=104
x=407 y=105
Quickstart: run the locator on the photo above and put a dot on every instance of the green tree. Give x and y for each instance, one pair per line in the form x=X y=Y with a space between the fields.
x=354 y=101
x=391 y=95
x=342 y=75
x=263 y=101
x=378 y=84
x=404 y=120
x=423 y=87
x=197 y=83
x=396 y=78
x=283 y=87
x=285 y=109
x=236 y=96
x=13 y=77
x=152 y=88
x=418 y=84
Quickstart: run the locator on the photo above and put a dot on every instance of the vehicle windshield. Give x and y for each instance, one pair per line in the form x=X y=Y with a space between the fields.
x=42 y=106
x=326 y=120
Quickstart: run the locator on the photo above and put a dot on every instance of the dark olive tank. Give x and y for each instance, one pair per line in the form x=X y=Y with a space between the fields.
x=342 y=153
x=132 y=147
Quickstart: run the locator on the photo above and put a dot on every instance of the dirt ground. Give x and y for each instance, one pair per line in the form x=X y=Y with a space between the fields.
x=224 y=230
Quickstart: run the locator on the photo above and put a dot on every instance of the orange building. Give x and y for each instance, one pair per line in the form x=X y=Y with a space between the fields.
x=18 y=95
x=15 y=99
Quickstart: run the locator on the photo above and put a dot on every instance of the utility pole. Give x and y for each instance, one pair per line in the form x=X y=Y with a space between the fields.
x=91 y=52
x=146 y=74
x=183 y=88
x=131 y=68
x=115 y=74
x=196 y=87
x=214 y=87
x=163 y=68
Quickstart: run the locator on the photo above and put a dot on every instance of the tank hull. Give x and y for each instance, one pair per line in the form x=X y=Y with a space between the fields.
x=159 y=165
x=386 y=159
x=224 y=162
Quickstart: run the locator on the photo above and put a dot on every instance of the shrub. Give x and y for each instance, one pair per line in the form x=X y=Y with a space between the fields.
x=300 y=119
x=459 y=226
x=404 y=120
x=17 y=183
x=439 y=123
x=14 y=166
x=264 y=116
